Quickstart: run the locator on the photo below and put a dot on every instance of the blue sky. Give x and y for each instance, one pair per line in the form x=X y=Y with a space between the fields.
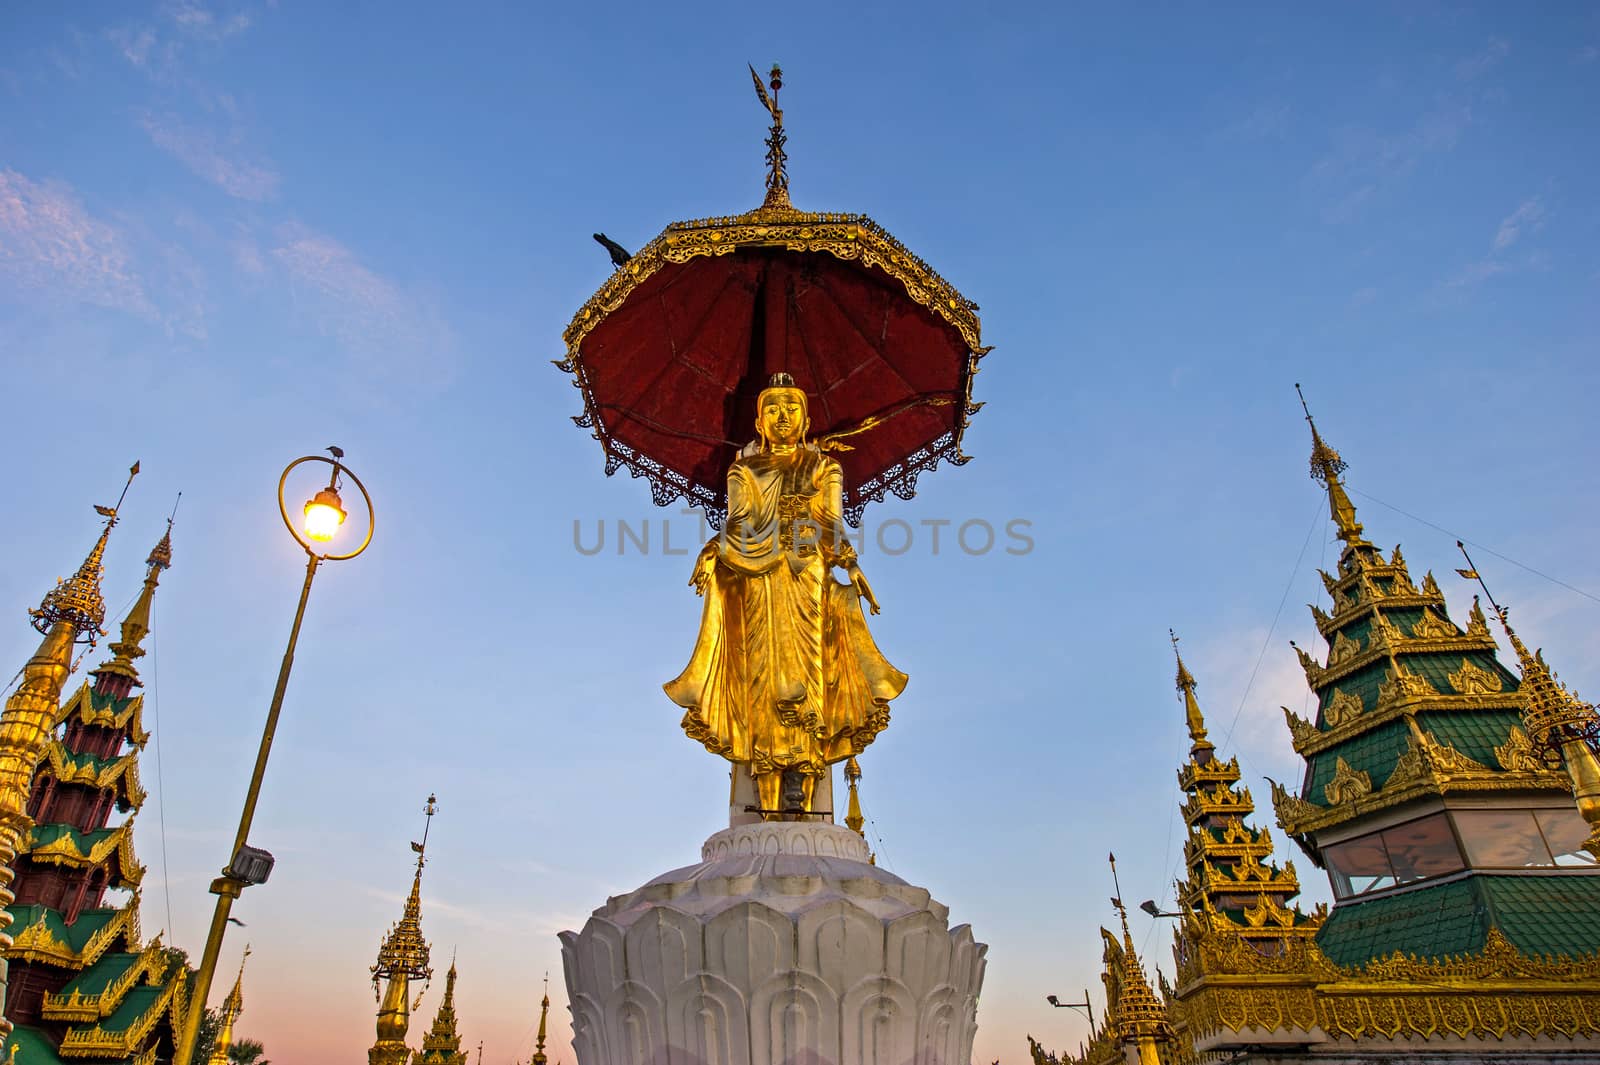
x=233 y=234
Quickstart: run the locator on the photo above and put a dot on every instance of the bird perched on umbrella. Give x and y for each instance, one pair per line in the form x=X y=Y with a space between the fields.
x=619 y=254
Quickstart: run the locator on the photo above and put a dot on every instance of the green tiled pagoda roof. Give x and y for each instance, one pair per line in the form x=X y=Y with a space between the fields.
x=1547 y=914
x=134 y=1005
x=1540 y=915
x=74 y=935
x=1436 y=668
x=1363 y=684
x=97 y=977
x=80 y=759
x=1373 y=752
x=1475 y=733
x=43 y=835
x=32 y=1048
x=102 y=701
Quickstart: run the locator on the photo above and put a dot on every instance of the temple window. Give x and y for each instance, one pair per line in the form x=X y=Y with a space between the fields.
x=1427 y=847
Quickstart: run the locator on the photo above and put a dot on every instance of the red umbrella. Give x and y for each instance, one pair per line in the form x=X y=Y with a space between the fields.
x=672 y=350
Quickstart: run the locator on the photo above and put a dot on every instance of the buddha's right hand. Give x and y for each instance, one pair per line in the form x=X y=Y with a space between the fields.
x=700 y=579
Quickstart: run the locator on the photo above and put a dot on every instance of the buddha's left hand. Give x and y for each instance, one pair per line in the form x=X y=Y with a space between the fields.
x=863 y=589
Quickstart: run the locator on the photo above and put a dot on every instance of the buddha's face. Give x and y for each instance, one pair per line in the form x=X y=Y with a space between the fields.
x=782 y=419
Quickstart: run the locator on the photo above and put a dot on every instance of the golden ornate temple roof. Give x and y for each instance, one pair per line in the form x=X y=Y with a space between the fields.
x=442 y=1044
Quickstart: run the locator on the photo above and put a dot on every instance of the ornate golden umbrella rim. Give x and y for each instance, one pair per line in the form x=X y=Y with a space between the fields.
x=848 y=237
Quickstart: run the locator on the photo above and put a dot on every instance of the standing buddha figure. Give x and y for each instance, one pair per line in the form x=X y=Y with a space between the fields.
x=785 y=677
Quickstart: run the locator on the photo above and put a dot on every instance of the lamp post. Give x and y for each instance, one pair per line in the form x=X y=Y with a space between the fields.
x=322 y=516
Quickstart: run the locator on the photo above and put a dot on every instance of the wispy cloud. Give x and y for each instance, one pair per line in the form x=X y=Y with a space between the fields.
x=200 y=20
x=1363 y=161
x=1527 y=218
x=201 y=152
x=52 y=247
x=137 y=44
x=1529 y=215
x=1478 y=65
x=155 y=46
x=368 y=315
x=1268 y=121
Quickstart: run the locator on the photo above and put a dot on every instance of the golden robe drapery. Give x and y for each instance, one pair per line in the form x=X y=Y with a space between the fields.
x=784 y=674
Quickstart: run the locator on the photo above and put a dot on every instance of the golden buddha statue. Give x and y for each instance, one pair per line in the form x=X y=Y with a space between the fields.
x=785 y=677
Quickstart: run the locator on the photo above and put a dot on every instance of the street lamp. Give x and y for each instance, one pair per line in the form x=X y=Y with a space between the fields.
x=321 y=518
x=1149 y=906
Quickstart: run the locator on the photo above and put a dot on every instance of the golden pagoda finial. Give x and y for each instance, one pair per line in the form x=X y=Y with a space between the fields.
x=136 y=626
x=77 y=600
x=1563 y=729
x=539 y=1057
x=1191 y=705
x=1141 y=1020
x=1326 y=466
x=442 y=1044
x=232 y=1006
x=777 y=158
x=852 y=818
x=402 y=957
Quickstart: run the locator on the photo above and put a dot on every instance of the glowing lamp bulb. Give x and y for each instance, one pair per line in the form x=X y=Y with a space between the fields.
x=324 y=515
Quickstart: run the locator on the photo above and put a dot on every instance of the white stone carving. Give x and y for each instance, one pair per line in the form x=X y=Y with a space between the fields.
x=782 y=947
x=808 y=838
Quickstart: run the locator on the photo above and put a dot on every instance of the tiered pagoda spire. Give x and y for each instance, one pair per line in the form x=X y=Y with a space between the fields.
x=1135 y=1026
x=1467 y=907
x=402 y=958
x=442 y=1044
x=539 y=1057
x=1415 y=715
x=82 y=977
x=1447 y=830
x=1232 y=883
x=232 y=1006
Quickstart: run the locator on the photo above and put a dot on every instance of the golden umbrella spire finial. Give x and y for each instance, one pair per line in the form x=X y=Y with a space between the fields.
x=77 y=600
x=539 y=1057
x=402 y=957
x=404 y=951
x=1191 y=705
x=777 y=158
x=1326 y=466
x=1563 y=729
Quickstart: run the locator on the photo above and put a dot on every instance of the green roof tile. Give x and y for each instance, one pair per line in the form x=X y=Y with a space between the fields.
x=1373 y=752
x=32 y=1047
x=1544 y=915
x=1475 y=734
x=135 y=1004
x=1404 y=618
x=97 y=977
x=1547 y=914
x=1437 y=667
x=108 y=702
x=1430 y=922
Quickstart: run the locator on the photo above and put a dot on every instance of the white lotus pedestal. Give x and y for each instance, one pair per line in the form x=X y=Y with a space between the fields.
x=782 y=947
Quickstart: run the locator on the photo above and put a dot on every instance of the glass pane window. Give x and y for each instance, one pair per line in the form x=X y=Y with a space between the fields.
x=1422 y=848
x=1502 y=839
x=1359 y=866
x=1565 y=831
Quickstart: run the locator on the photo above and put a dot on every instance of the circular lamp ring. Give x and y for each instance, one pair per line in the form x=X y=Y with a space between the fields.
x=372 y=517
